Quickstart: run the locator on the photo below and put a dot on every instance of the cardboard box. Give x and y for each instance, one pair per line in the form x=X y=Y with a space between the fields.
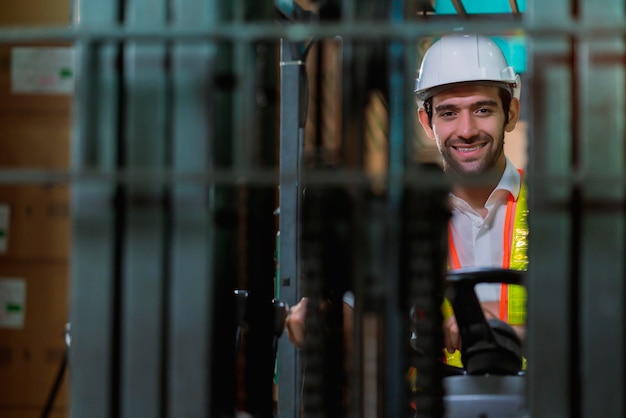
x=34 y=133
x=21 y=413
x=35 y=12
x=39 y=222
x=35 y=129
x=34 y=413
x=31 y=355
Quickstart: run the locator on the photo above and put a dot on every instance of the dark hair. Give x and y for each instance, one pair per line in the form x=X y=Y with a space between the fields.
x=505 y=98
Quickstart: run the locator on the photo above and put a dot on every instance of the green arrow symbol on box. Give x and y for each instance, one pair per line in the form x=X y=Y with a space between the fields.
x=13 y=307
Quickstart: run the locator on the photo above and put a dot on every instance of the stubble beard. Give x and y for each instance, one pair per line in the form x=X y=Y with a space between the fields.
x=476 y=169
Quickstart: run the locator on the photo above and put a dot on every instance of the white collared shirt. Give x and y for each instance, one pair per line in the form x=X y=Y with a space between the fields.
x=478 y=241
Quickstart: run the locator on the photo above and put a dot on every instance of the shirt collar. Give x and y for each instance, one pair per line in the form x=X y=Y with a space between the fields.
x=510 y=180
x=509 y=183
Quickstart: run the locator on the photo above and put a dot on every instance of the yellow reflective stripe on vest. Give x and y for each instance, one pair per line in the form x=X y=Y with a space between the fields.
x=519 y=260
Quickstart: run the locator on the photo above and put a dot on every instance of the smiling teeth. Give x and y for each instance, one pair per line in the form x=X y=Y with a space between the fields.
x=465 y=149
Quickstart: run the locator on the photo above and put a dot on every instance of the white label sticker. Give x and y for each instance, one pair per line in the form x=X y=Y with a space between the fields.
x=5 y=213
x=12 y=302
x=42 y=70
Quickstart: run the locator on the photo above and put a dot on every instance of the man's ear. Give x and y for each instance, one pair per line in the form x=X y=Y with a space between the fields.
x=423 y=117
x=513 y=115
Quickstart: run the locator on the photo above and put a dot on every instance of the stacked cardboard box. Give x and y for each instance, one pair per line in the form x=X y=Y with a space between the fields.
x=34 y=231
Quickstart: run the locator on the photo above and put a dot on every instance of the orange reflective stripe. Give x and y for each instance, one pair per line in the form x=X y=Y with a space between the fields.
x=506 y=245
x=504 y=302
x=454 y=257
x=506 y=256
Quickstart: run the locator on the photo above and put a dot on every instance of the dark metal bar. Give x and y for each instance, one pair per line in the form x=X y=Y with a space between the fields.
x=191 y=338
x=94 y=288
x=577 y=246
x=485 y=24
x=602 y=310
x=144 y=271
x=93 y=262
x=394 y=316
x=264 y=176
x=255 y=148
x=551 y=222
x=292 y=117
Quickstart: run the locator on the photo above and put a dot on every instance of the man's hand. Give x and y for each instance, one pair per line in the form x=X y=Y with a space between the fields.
x=295 y=323
x=451 y=333
x=296 y=317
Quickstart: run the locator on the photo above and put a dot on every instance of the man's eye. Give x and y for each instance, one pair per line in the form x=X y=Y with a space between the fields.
x=483 y=111
x=446 y=114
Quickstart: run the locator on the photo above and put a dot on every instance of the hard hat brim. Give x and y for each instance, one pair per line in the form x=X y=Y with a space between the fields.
x=511 y=87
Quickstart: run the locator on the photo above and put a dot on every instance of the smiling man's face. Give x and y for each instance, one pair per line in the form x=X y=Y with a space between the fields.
x=468 y=125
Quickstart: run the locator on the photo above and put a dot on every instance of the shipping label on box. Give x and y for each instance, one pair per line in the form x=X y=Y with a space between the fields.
x=42 y=70
x=12 y=302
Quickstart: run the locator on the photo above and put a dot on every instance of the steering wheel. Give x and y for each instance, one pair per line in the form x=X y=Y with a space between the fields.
x=493 y=384
x=488 y=346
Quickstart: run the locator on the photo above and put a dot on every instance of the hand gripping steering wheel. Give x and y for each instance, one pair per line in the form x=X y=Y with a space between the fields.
x=488 y=346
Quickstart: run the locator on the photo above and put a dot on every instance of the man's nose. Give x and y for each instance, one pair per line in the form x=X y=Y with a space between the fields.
x=466 y=127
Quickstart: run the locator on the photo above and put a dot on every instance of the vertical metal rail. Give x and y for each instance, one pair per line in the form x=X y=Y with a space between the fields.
x=145 y=137
x=602 y=143
x=367 y=237
x=424 y=265
x=552 y=381
x=243 y=122
x=255 y=147
x=190 y=337
x=394 y=317
x=424 y=257
x=95 y=221
x=223 y=200
x=550 y=250
x=576 y=276
x=292 y=116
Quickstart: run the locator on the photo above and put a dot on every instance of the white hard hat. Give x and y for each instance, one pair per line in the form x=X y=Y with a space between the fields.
x=461 y=58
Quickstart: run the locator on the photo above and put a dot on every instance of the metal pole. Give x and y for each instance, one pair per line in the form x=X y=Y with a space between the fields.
x=94 y=275
x=292 y=112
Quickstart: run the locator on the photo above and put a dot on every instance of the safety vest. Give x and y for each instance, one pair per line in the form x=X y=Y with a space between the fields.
x=512 y=297
x=515 y=242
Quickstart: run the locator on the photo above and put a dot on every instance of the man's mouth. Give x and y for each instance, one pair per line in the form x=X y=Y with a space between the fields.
x=465 y=148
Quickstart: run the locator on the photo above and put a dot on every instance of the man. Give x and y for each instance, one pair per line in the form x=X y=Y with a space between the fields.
x=468 y=98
